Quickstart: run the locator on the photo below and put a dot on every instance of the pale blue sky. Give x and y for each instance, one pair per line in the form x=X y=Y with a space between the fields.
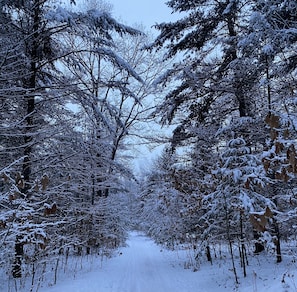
x=146 y=12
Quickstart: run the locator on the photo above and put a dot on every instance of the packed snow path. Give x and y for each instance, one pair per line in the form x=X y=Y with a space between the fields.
x=140 y=267
x=143 y=267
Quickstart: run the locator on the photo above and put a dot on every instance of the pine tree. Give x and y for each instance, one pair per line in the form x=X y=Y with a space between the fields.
x=270 y=43
x=215 y=85
x=239 y=192
x=212 y=72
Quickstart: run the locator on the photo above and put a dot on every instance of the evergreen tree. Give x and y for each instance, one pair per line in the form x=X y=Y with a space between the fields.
x=212 y=74
x=239 y=192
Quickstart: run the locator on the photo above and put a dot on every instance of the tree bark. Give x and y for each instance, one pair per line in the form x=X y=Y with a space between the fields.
x=17 y=264
x=29 y=84
x=208 y=254
x=259 y=247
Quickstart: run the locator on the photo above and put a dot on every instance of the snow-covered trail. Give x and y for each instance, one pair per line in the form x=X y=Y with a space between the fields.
x=142 y=267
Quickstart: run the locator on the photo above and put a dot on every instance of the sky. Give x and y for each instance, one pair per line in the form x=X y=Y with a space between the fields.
x=146 y=12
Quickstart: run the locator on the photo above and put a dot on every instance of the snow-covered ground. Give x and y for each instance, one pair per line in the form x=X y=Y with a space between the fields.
x=143 y=266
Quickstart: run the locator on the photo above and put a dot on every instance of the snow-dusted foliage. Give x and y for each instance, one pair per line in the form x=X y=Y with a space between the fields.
x=241 y=181
x=159 y=201
x=60 y=181
x=76 y=87
x=233 y=101
x=279 y=160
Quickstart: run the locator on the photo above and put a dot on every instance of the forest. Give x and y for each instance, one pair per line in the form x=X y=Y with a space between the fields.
x=81 y=91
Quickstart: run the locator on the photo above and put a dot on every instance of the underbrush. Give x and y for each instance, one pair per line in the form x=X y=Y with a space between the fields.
x=263 y=273
x=49 y=271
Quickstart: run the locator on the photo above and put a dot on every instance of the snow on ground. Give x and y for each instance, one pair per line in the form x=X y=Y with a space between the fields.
x=144 y=267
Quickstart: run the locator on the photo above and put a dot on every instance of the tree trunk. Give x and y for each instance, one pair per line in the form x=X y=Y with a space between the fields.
x=277 y=234
x=278 y=251
x=208 y=254
x=17 y=264
x=242 y=246
x=30 y=86
x=259 y=247
x=29 y=83
x=230 y=240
